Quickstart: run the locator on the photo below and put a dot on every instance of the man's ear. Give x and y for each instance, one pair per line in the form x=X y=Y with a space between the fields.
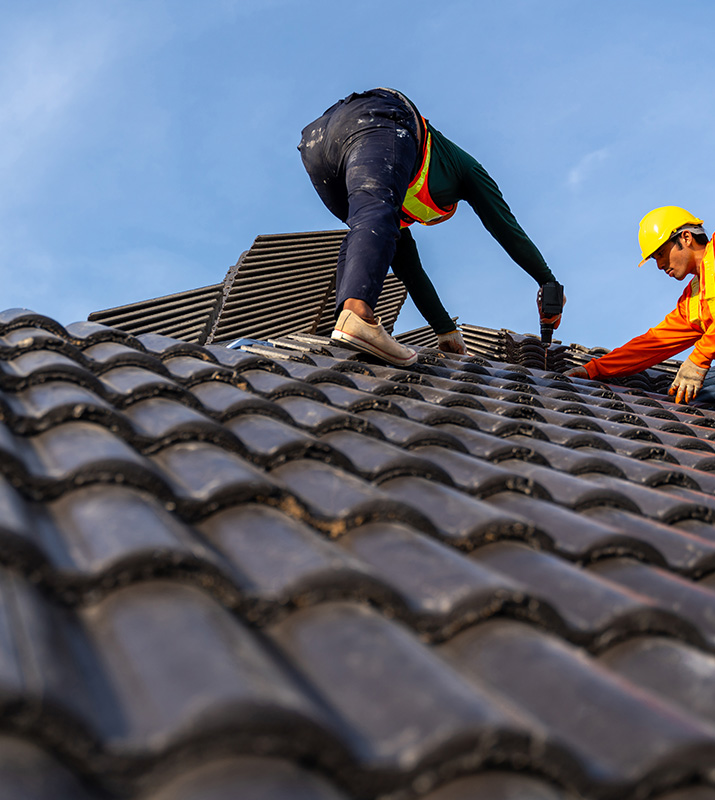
x=686 y=237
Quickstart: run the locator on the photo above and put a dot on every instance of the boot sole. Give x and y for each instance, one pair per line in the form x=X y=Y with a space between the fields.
x=362 y=345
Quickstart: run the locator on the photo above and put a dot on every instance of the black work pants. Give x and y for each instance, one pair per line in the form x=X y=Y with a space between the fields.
x=360 y=156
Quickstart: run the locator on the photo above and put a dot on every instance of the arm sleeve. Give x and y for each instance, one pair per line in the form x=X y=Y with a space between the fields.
x=408 y=268
x=670 y=337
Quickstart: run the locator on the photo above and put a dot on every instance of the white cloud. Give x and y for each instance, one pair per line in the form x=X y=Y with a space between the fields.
x=586 y=167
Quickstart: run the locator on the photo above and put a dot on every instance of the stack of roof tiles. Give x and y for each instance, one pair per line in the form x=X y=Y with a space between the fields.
x=284 y=283
x=287 y=572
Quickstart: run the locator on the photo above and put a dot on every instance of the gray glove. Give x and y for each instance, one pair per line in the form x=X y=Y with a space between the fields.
x=688 y=381
x=452 y=342
x=577 y=372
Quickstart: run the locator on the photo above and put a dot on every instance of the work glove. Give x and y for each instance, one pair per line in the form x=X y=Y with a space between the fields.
x=688 y=381
x=452 y=342
x=553 y=321
x=577 y=372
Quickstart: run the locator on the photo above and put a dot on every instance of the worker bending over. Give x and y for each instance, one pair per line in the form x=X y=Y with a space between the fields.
x=677 y=242
x=379 y=166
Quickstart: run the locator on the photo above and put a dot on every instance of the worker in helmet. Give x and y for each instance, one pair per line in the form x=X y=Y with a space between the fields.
x=379 y=166
x=676 y=240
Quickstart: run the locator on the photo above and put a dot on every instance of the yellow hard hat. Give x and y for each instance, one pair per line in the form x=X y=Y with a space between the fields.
x=659 y=225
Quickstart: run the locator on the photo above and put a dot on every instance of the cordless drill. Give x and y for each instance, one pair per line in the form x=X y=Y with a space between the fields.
x=552 y=304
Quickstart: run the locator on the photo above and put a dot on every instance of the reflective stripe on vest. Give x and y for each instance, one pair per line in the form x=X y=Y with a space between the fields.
x=701 y=303
x=694 y=301
x=707 y=285
x=418 y=206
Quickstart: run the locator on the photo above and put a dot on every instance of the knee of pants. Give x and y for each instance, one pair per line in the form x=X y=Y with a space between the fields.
x=379 y=217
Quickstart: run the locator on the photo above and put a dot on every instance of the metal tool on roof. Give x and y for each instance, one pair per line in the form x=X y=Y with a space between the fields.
x=550 y=307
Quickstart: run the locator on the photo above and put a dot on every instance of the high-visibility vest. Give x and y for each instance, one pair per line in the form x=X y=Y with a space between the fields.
x=701 y=302
x=418 y=205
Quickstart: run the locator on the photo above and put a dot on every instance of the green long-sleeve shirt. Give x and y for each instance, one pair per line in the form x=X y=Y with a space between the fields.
x=454 y=175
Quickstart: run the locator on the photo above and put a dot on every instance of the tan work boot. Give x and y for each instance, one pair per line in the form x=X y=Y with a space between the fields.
x=352 y=330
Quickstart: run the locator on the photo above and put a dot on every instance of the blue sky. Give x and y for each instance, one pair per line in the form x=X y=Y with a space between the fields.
x=144 y=145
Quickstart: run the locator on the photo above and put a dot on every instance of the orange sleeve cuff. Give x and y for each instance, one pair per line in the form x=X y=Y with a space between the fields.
x=591 y=368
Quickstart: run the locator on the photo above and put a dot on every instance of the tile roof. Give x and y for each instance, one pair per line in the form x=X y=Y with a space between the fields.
x=286 y=571
x=284 y=283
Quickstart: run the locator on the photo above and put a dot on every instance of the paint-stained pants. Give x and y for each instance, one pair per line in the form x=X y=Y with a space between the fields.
x=360 y=156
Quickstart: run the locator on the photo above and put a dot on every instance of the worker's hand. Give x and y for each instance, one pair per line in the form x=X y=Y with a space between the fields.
x=577 y=372
x=553 y=321
x=452 y=342
x=688 y=381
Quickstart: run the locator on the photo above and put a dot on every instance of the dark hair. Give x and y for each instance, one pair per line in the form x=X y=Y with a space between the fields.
x=700 y=238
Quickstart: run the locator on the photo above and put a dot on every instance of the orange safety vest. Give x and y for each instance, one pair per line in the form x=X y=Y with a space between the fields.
x=418 y=205
x=691 y=322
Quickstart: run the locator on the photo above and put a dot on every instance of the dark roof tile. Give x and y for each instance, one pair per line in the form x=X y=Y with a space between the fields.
x=349 y=653
x=692 y=792
x=31 y=773
x=224 y=401
x=594 y=612
x=493 y=448
x=682 y=551
x=84 y=333
x=379 y=461
x=578 y=536
x=631 y=737
x=109 y=354
x=14 y=318
x=439 y=591
x=219 y=561
x=459 y=519
x=102 y=536
x=77 y=453
x=500 y=786
x=190 y=370
x=669 y=668
x=240 y=360
x=273 y=386
x=204 y=477
x=694 y=603
x=444 y=397
x=247 y=777
x=268 y=442
x=479 y=477
x=45 y=405
x=319 y=418
x=428 y=414
x=279 y=563
x=575 y=461
x=576 y=492
x=37 y=366
x=309 y=373
x=54 y=689
x=357 y=400
x=408 y=434
x=670 y=505
x=228 y=681
x=159 y=421
x=129 y=384
x=20 y=340
x=335 y=500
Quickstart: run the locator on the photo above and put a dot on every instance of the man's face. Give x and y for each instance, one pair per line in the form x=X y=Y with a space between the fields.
x=675 y=258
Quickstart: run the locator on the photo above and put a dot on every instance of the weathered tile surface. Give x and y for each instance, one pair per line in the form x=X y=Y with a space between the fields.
x=288 y=571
